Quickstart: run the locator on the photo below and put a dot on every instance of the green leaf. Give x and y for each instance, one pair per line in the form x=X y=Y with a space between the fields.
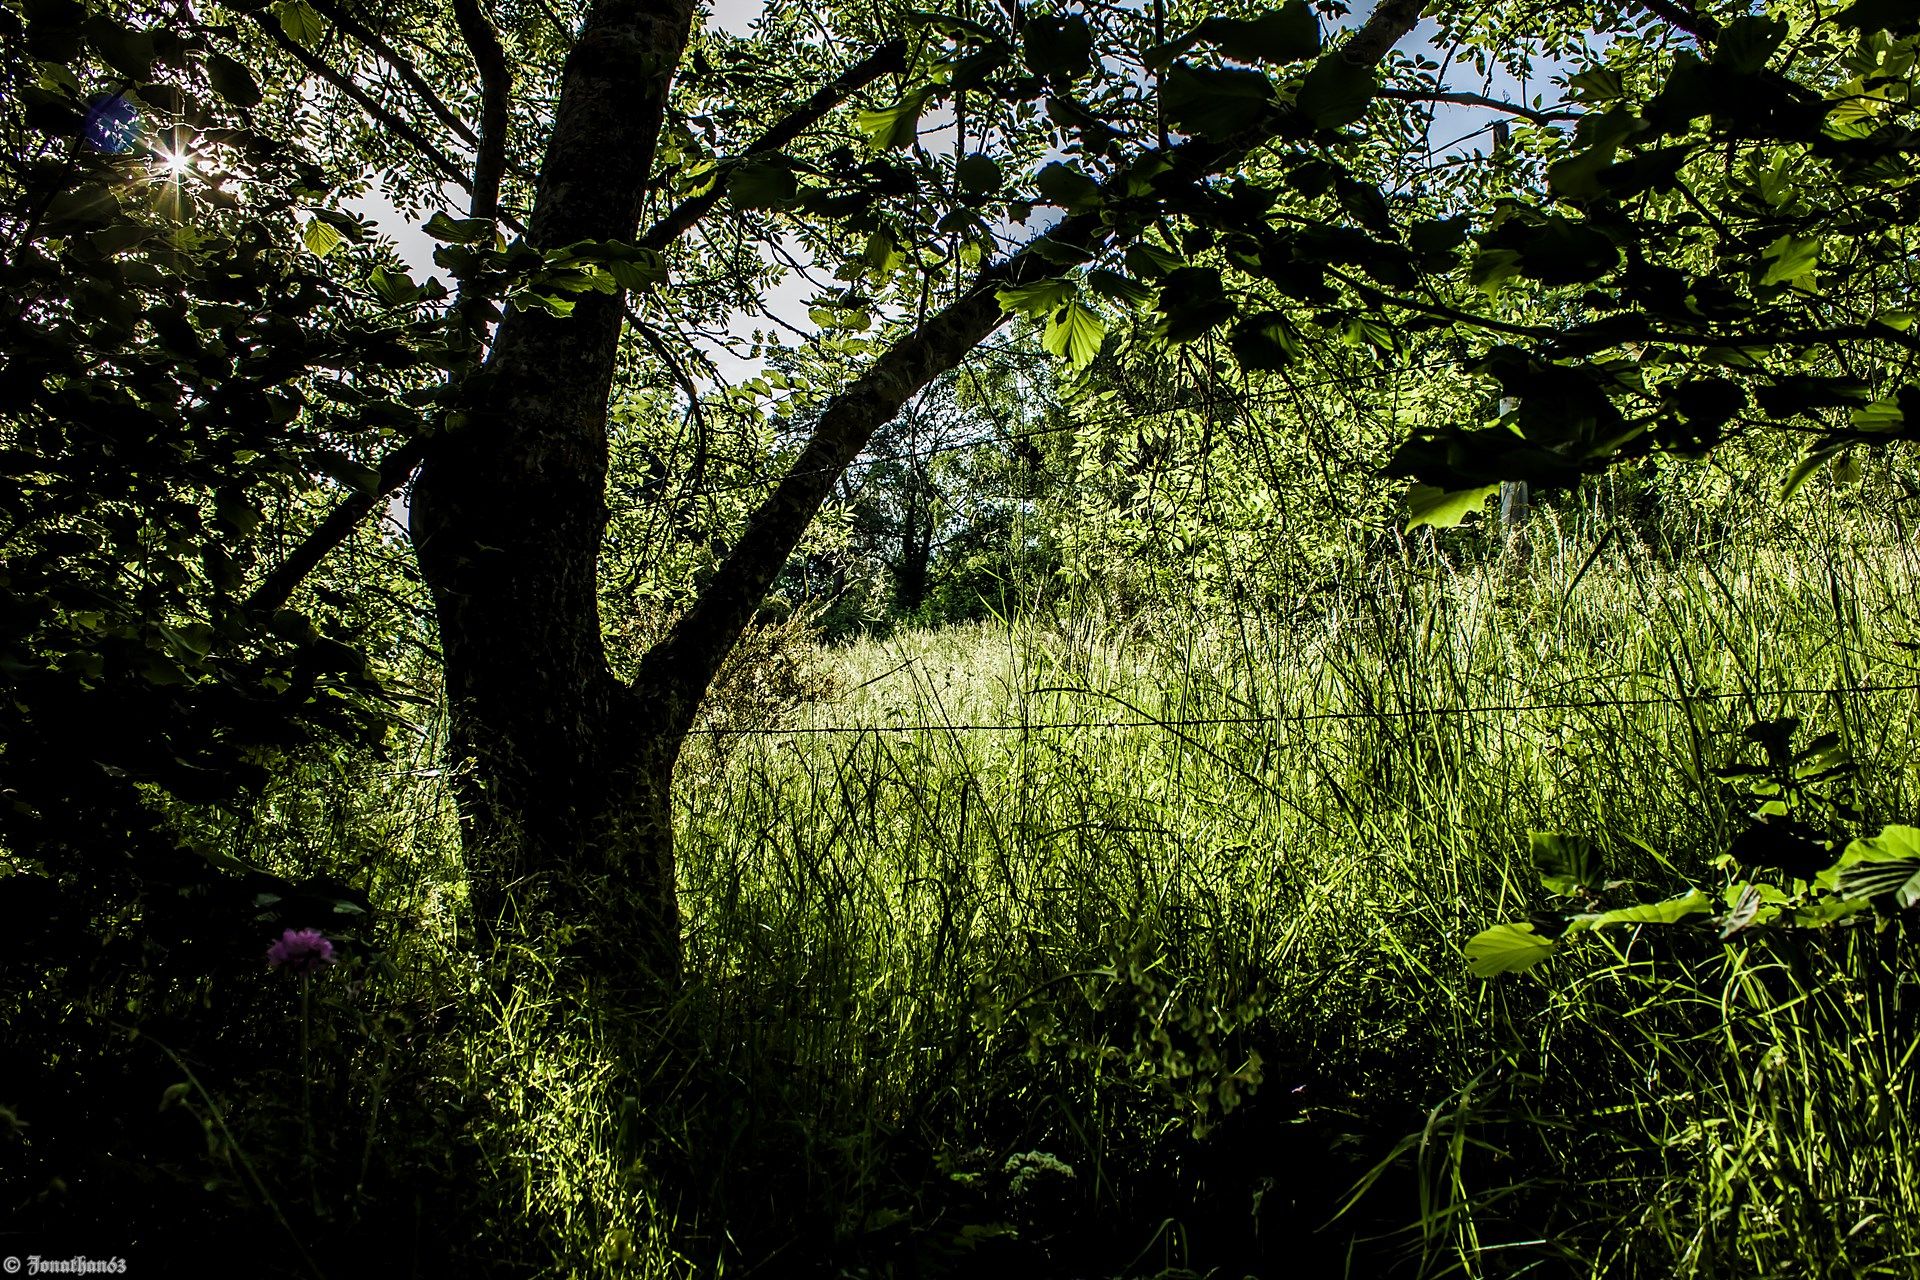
x=633 y=266
x=881 y=253
x=1444 y=509
x=1558 y=250
x=1435 y=240
x=321 y=238
x=1880 y=15
x=1062 y=184
x=1058 y=252
x=1286 y=34
x=1803 y=470
x=1216 y=103
x=1335 y=92
x=1597 y=84
x=355 y=475
x=1491 y=269
x=559 y=308
x=894 y=126
x=1790 y=257
x=1060 y=47
x=1120 y=288
x=232 y=81
x=1895 y=843
x=947 y=24
x=119 y=239
x=299 y=20
x=1193 y=303
x=1506 y=948
x=1074 y=332
x=1578 y=176
x=1899 y=880
x=1880 y=415
x=763 y=182
x=1150 y=261
x=1745 y=44
x=1568 y=865
x=1036 y=299
x=459 y=230
x=1671 y=911
x=978 y=175
x=1264 y=342
x=1095 y=133
x=127 y=51
x=397 y=287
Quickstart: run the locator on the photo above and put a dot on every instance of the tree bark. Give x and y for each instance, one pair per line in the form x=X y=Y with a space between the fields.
x=508 y=512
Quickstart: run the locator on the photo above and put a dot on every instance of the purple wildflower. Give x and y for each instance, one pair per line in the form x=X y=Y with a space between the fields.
x=301 y=950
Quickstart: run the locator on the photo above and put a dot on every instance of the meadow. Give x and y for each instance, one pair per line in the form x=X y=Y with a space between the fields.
x=1086 y=943
x=1077 y=944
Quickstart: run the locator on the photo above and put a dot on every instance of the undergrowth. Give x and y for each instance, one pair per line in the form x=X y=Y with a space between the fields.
x=1082 y=946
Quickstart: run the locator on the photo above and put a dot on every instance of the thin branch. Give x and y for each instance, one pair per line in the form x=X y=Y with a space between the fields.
x=675 y=673
x=1480 y=100
x=1798 y=338
x=496 y=86
x=278 y=586
x=468 y=317
x=889 y=57
x=1677 y=14
x=345 y=85
x=373 y=41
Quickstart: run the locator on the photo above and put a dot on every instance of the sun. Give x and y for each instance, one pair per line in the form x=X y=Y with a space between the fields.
x=176 y=164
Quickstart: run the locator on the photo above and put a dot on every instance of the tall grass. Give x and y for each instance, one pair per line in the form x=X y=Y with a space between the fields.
x=1091 y=946
x=1213 y=969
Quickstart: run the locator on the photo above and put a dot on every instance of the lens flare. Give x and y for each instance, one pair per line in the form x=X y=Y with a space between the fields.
x=113 y=124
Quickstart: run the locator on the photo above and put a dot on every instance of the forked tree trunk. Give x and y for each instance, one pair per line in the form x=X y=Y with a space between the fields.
x=561 y=803
x=566 y=801
x=567 y=772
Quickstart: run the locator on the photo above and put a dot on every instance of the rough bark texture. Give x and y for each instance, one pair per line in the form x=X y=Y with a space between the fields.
x=507 y=518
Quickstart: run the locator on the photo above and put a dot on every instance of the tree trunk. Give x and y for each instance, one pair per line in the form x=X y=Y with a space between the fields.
x=561 y=801
x=916 y=550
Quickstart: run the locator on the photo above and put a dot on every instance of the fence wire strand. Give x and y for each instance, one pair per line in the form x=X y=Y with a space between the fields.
x=1305 y=717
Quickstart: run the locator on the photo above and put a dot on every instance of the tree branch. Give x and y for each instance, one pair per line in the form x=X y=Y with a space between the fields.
x=496 y=86
x=1480 y=100
x=279 y=585
x=489 y=167
x=1386 y=26
x=438 y=158
x=401 y=64
x=889 y=57
x=1677 y=14
x=675 y=674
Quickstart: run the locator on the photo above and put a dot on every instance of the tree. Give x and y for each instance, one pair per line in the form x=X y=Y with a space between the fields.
x=1215 y=182
x=574 y=768
x=177 y=370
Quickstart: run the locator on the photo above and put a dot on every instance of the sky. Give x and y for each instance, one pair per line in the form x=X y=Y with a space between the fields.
x=1455 y=128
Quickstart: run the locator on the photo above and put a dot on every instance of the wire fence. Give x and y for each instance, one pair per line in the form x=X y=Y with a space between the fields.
x=1305 y=717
